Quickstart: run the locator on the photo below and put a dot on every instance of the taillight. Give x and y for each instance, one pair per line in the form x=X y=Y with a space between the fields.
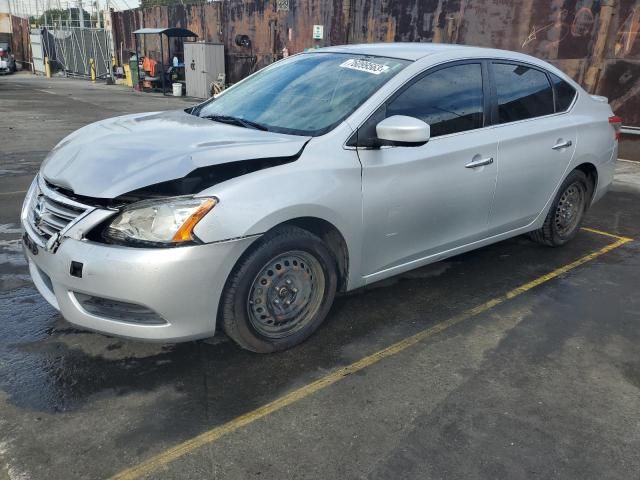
x=616 y=122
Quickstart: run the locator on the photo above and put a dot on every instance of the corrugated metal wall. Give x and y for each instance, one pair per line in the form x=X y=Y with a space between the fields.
x=20 y=40
x=595 y=41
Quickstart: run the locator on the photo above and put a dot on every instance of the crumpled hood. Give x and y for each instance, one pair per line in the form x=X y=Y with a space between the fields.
x=116 y=156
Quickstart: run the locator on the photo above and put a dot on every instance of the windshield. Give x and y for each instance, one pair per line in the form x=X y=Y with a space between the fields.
x=306 y=94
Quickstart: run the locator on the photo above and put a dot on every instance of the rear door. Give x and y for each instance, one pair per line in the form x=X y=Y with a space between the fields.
x=536 y=142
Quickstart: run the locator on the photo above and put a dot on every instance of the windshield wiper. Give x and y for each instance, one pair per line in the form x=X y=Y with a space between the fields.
x=241 y=122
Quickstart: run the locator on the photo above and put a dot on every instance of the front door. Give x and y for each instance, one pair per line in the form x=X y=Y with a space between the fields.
x=422 y=200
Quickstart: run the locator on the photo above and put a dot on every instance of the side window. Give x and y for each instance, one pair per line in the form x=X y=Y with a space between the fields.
x=522 y=92
x=450 y=100
x=565 y=93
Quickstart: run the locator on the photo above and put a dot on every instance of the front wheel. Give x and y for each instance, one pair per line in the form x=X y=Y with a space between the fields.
x=279 y=293
x=567 y=211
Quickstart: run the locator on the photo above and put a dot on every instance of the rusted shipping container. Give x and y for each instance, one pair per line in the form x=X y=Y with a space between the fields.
x=17 y=29
x=20 y=41
x=597 y=42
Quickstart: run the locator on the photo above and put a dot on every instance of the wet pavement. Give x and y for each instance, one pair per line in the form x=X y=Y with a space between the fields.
x=546 y=385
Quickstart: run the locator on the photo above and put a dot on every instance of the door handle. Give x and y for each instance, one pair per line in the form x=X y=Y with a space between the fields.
x=481 y=162
x=560 y=145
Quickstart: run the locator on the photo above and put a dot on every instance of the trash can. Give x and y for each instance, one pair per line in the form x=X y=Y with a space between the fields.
x=133 y=66
x=177 y=89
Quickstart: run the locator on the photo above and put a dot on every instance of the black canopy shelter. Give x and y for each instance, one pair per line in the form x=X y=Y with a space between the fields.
x=168 y=32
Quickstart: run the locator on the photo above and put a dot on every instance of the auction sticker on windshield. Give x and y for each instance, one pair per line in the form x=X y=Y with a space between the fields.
x=365 y=66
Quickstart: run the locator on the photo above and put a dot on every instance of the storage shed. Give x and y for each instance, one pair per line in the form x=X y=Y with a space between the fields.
x=204 y=63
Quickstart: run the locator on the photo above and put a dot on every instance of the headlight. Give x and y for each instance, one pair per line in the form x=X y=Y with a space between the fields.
x=169 y=221
x=27 y=199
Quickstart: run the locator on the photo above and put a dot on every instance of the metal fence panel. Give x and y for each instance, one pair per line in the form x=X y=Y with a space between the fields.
x=73 y=49
x=37 y=51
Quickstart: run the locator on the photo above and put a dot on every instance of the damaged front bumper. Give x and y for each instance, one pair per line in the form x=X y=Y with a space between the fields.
x=167 y=294
x=156 y=294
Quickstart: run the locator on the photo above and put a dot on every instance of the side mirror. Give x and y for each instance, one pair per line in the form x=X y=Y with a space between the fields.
x=404 y=131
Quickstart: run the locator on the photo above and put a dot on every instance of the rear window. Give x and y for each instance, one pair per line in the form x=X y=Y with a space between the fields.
x=565 y=93
x=523 y=92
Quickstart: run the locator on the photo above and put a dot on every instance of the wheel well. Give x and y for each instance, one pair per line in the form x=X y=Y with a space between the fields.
x=591 y=172
x=332 y=237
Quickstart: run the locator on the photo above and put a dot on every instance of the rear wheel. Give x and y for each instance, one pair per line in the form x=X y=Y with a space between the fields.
x=280 y=293
x=567 y=211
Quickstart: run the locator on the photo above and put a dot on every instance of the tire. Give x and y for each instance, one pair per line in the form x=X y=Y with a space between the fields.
x=567 y=211
x=280 y=291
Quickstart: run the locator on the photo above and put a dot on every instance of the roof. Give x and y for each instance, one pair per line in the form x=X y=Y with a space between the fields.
x=169 y=32
x=405 y=51
x=436 y=52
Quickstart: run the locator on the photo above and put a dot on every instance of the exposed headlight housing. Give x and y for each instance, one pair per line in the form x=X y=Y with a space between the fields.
x=163 y=223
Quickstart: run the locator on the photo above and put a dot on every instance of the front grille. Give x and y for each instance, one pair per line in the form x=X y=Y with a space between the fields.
x=49 y=212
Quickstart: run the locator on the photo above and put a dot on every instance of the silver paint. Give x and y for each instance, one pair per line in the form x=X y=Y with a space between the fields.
x=115 y=156
x=403 y=129
x=397 y=208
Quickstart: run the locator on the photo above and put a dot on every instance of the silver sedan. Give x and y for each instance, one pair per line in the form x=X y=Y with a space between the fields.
x=319 y=174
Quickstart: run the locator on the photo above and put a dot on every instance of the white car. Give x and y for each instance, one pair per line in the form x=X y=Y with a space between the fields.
x=321 y=173
x=7 y=59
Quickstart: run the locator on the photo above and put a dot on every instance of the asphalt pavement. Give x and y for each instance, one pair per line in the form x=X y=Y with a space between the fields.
x=512 y=361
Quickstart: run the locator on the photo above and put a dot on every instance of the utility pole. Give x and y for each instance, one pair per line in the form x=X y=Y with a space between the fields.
x=80 y=14
x=44 y=13
x=107 y=11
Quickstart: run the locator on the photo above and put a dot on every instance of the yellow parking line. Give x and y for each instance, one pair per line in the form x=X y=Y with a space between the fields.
x=606 y=234
x=154 y=463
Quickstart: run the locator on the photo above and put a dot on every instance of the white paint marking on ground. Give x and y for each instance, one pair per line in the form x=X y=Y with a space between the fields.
x=45 y=91
x=9 y=228
x=13 y=193
x=11 y=253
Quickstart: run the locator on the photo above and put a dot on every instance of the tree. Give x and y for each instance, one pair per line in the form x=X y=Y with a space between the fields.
x=156 y=3
x=62 y=17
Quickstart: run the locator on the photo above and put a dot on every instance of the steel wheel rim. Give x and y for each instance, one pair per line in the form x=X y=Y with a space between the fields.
x=286 y=294
x=569 y=210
